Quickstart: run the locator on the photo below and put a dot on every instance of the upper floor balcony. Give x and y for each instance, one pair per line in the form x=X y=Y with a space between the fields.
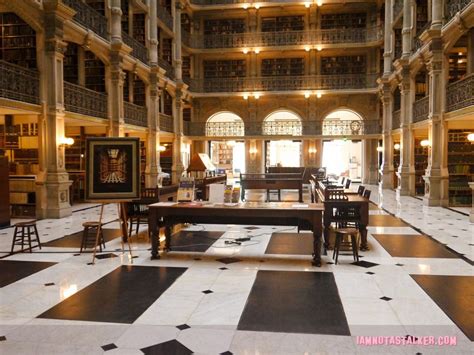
x=452 y=7
x=134 y=114
x=421 y=109
x=307 y=39
x=166 y=123
x=460 y=94
x=18 y=83
x=84 y=101
x=349 y=82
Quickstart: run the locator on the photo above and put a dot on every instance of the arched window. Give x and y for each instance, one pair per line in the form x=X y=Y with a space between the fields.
x=343 y=123
x=282 y=123
x=224 y=124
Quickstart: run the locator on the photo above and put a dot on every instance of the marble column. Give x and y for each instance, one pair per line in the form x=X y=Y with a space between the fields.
x=386 y=169
x=178 y=61
x=177 y=167
x=370 y=162
x=387 y=54
x=407 y=27
x=254 y=156
x=152 y=168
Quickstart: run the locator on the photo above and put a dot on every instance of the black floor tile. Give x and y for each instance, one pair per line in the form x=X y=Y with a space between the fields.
x=74 y=240
x=196 y=241
x=412 y=246
x=291 y=244
x=454 y=295
x=386 y=221
x=364 y=263
x=13 y=270
x=173 y=347
x=109 y=347
x=119 y=297
x=228 y=260
x=294 y=302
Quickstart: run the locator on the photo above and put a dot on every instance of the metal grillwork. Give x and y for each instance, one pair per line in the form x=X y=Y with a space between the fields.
x=84 y=101
x=421 y=109
x=164 y=16
x=17 y=83
x=396 y=119
x=225 y=2
x=350 y=128
x=89 y=18
x=460 y=94
x=166 y=123
x=224 y=129
x=139 y=50
x=417 y=42
x=455 y=6
x=282 y=128
x=168 y=67
x=397 y=8
x=135 y=114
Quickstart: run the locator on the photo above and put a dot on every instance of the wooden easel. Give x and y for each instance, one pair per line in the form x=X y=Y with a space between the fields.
x=122 y=213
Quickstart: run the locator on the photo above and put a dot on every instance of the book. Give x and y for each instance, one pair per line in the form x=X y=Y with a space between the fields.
x=186 y=189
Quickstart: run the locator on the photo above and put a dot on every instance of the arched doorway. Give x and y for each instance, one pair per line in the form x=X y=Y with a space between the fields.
x=283 y=152
x=341 y=156
x=228 y=152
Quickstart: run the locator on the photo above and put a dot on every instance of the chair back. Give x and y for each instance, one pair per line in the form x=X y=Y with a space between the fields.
x=337 y=195
x=348 y=183
x=367 y=194
x=360 y=190
x=343 y=178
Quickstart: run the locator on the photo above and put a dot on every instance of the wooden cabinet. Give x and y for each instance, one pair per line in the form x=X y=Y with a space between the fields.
x=460 y=167
x=23 y=195
x=4 y=192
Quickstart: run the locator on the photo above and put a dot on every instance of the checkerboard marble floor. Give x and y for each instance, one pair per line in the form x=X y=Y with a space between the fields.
x=415 y=281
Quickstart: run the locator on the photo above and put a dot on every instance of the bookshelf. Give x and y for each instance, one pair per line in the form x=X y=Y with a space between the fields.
x=94 y=72
x=139 y=26
x=421 y=15
x=167 y=51
x=186 y=23
x=420 y=85
x=344 y=20
x=460 y=167
x=398 y=43
x=139 y=91
x=283 y=67
x=126 y=86
x=186 y=67
x=142 y=162
x=166 y=4
x=355 y=64
x=125 y=14
x=71 y=64
x=187 y=114
x=167 y=103
x=166 y=159
x=224 y=26
x=97 y=5
x=457 y=65
x=224 y=68
x=282 y=23
x=421 y=163
x=17 y=41
x=396 y=164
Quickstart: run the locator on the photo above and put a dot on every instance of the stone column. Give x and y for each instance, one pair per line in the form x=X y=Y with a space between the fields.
x=177 y=167
x=370 y=162
x=386 y=169
x=152 y=168
x=311 y=153
x=471 y=215
x=177 y=41
x=406 y=170
x=406 y=30
x=53 y=180
x=254 y=156
x=387 y=54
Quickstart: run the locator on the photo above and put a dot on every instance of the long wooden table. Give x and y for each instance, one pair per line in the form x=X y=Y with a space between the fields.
x=274 y=213
x=272 y=182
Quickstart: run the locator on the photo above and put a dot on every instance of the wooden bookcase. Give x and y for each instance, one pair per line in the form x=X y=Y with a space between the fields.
x=186 y=23
x=94 y=72
x=139 y=26
x=460 y=167
x=457 y=66
x=396 y=164
x=186 y=67
x=421 y=15
x=166 y=4
x=71 y=64
x=282 y=23
x=142 y=162
x=283 y=67
x=17 y=41
x=398 y=43
x=354 y=64
x=167 y=51
x=4 y=192
x=420 y=85
x=167 y=103
x=421 y=163
x=224 y=26
x=97 y=5
x=139 y=91
x=344 y=20
x=224 y=68
x=187 y=114
x=125 y=16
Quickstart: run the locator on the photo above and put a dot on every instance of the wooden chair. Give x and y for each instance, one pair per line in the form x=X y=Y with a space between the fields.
x=347 y=184
x=353 y=243
x=360 y=190
x=137 y=211
x=28 y=231
x=367 y=194
x=89 y=235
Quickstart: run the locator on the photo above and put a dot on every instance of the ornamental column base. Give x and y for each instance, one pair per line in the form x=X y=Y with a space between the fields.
x=53 y=200
x=386 y=179
x=406 y=183
x=436 y=190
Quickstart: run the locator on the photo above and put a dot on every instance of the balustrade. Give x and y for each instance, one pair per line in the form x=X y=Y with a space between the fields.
x=460 y=94
x=350 y=128
x=224 y=129
x=421 y=109
x=89 y=18
x=84 y=101
x=135 y=114
x=168 y=67
x=452 y=7
x=18 y=83
x=282 y=128
x=139 y=50
x=166 y=123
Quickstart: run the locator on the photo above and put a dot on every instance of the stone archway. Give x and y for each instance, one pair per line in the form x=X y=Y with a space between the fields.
x=282 y=123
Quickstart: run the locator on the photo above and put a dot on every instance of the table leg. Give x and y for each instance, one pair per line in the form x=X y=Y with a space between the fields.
x=300 y=193
x=154 y=235
x=363 y=238
x=242 y=194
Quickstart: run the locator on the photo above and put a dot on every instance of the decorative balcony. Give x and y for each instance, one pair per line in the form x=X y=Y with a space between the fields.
x=164 y=16
x=460 y=94
x=166 y=123
x=452 y=7
x=135 y=115
x=230 y=2
x=224 y=129
x=350 y=128
x=282 y=128
x=87 y=102
x=139 y=50
x=282 y=38
x=168 y=67
x=281 y=83
x=396 y=119
x=421 y=109
x=397 y=8
x=18 y=83
x=89 y=18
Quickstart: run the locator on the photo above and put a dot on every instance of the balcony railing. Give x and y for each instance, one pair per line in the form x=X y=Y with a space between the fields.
x=224 y=129
x=417 y=42
x=421 y=109
x=396 y=119
x=229 y=2
x=397 y=8
x=164 y=16
x=139 y=50
x=452 y=7
x=18 y=83
x=282 y=38
x=460 y=94
x=282 y=128
x=313 y=82
x=89 y=18
x=350 y=128
x=166 y=123
x=135 y=114
x=84 y=101
x=168 y=67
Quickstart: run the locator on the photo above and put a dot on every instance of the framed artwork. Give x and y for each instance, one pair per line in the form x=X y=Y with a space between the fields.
x=112 y=169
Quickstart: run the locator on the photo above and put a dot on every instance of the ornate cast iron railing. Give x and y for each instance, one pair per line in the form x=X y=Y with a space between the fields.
x=18 y=83
x=89 y=18
x=396 y=119
x=285 y=83
x=350 y=128
x=460 y=94
x=226 y=2
x=417 y=42
x=168 y=67
x=397 y=8
x=421 y=109
x=452 y=7
x=139 y=50
x=224 y=129
x=84 y=101
x=282 y=128
x=164 y=16
x=135 y=114
x=166 y=123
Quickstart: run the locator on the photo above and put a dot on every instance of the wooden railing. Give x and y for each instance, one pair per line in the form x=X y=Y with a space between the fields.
x=18 y=83
x=460 y=94
x=89 y=18
x=166 y=123
x=135 y=114
x=421 y=109
x=84 y=101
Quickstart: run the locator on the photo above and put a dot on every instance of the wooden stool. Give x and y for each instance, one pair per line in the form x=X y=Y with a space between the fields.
x=25 y=230
x=354 y=243
x=88 y=240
